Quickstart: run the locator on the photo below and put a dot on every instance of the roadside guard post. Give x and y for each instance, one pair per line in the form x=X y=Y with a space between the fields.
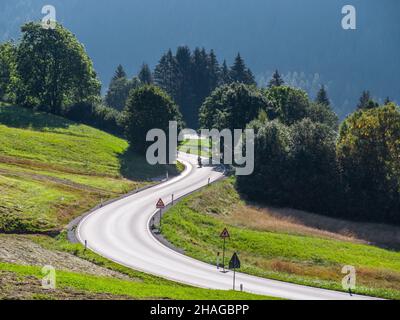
x=234 y=264
x=224 y=234
x=160 y=205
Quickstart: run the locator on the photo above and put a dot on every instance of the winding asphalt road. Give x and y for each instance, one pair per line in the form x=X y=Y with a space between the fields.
x=120 y=232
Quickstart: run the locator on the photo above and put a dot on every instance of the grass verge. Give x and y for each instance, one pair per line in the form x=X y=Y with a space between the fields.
x=287 y=252
x=130 y=284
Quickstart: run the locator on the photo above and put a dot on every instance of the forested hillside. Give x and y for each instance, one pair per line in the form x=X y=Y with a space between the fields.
x=303 y=39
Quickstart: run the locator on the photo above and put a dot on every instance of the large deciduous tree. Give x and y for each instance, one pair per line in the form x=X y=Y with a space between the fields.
x=7 y=71
x=268 y=183
x=294 y=166
x=232 y=107
x=289 y=104
x=312 y=161
x=368 y=152
x=323 y=113
x=54 y=70
x=148 y=107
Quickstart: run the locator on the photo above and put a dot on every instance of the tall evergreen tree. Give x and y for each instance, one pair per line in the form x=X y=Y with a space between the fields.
x=276 y=80
x=322 y=97
x=200 y=79
x=166 y=74
x=213 y=71
x=387 y=101
x=240 y=73
x=366 y=101
x=119 y=88
x=189 y=77
x=225 y=77
x=145 y=75
x=119 y=73
x=184 y=95
x=118 y=92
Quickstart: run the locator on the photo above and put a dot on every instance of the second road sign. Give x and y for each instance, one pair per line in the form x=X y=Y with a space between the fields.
x=224 y=234
x=235 y=262
x=160 y=204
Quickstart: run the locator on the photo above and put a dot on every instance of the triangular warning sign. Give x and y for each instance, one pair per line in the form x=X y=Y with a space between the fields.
x=160 y=204
x=224 y=233
x=234 y=263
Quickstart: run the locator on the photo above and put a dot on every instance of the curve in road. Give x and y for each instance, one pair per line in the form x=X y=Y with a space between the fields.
x=120 y=232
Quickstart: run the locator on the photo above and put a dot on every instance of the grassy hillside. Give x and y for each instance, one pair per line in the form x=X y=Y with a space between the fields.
x=275 y=247
x=52 y=170
x=82 y=274
x=192 y=146
x=74 y=286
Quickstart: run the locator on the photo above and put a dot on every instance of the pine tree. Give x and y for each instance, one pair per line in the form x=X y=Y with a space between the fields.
x=200 y=75
x=118 y=89
x=166 y=74
x=184 y=95
x=276 y=80
x=322 y=96
x=213 y=71
x=119 y=73
x=366 y=101
x=145 y=75
x=240 y=73
x=224 y=77
x=387 y=101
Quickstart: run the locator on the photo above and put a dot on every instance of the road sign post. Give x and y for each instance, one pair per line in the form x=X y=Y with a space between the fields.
x=234 y=264
x=349 y=284
x=160 y=205
x=224 y=234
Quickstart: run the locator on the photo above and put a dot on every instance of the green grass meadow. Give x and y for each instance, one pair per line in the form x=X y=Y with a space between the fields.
x=52 y=170
x=138 y=285
x=195 y=223
x=129 y=288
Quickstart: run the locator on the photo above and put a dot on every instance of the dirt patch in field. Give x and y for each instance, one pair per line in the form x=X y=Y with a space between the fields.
x=16 y=287
x=382 y=235
x=54 y=180
x=264 y=219
x=21 y=250
x=31 y=164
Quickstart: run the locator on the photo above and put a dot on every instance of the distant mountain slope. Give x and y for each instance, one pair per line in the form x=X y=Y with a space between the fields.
x=293 y=36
